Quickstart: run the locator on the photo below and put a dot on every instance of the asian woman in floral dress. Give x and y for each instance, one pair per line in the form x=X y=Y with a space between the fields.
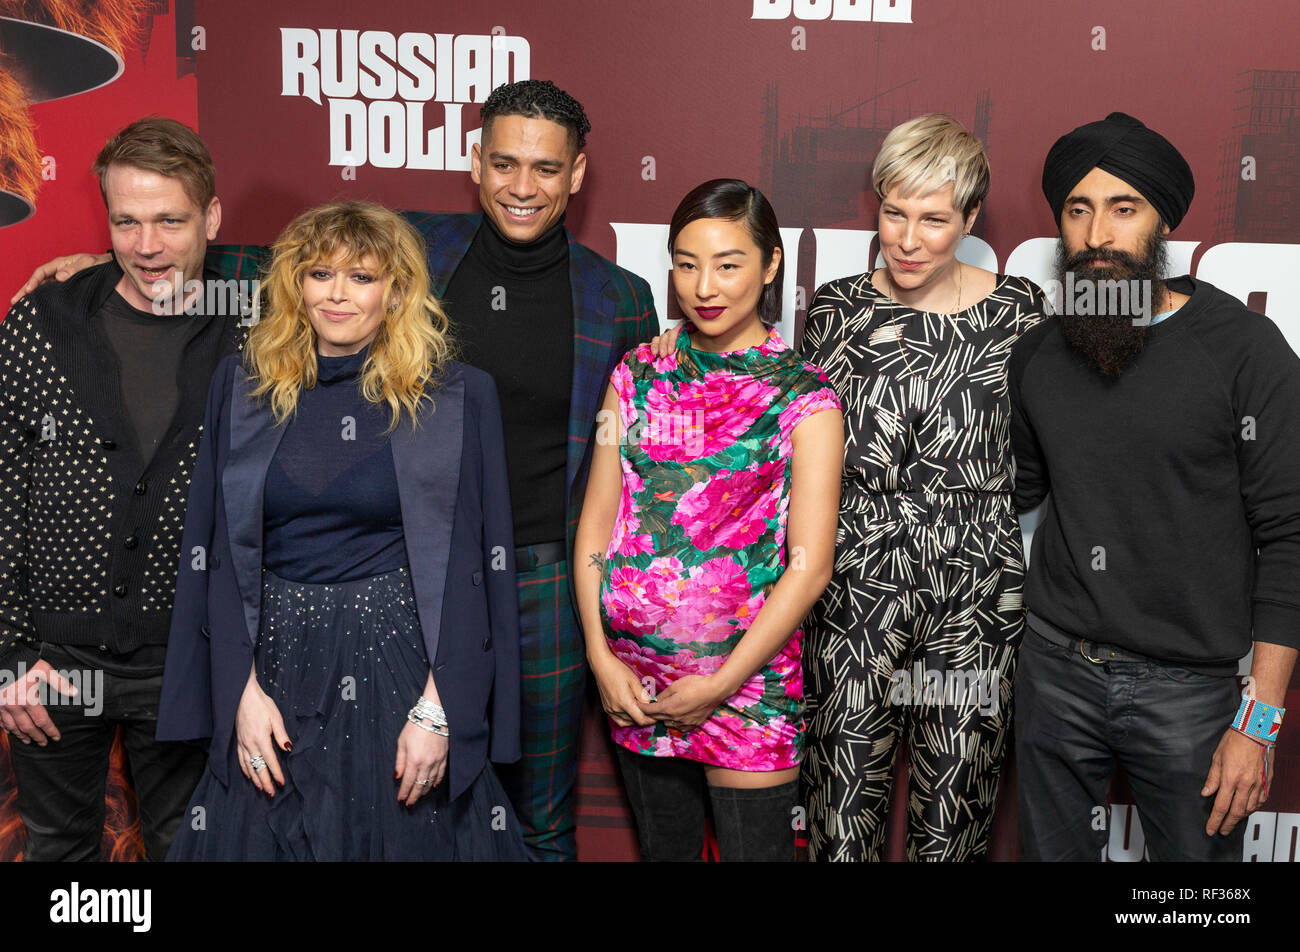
x=708 y=533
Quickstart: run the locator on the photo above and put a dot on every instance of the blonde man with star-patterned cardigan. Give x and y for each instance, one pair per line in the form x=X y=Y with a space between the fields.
x=102 y=391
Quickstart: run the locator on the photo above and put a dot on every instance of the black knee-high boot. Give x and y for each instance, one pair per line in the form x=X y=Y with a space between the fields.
x=755 y=824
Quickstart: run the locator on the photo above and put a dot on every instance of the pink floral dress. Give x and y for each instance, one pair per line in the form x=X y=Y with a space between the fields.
x=699 y=540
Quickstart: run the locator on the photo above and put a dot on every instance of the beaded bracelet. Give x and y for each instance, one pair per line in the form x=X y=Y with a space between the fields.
x=1258 y=720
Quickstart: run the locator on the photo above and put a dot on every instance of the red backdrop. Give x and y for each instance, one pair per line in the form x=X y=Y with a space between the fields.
x=793 y=95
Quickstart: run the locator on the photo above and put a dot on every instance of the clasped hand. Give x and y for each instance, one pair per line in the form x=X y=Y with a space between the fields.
x=685 y=704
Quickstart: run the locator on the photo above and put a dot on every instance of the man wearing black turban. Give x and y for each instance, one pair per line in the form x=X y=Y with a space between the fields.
x=1132 y=169
x=1128 y=150
x=1159 y=413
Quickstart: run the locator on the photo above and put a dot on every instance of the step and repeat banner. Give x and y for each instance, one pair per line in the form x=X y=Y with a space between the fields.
x=301 y=103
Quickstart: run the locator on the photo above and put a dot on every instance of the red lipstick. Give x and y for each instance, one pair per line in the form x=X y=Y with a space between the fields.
x=709 y=313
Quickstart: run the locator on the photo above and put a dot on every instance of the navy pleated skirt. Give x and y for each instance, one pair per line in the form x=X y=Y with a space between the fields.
x=344 y=662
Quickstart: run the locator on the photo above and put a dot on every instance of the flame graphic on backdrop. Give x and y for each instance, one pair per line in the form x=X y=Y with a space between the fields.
x=115 y=23
x=20 y=157
x=118 y=24
x=121 y=841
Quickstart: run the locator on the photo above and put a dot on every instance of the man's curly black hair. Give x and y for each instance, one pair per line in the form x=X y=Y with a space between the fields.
x=538 y=99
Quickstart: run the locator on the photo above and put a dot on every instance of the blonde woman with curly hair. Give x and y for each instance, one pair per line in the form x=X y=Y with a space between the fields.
x=345 y=628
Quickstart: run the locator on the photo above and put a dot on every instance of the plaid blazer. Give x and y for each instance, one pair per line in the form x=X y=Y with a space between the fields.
x=613 y=311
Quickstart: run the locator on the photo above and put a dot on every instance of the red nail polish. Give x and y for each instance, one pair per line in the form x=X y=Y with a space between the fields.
x=288 y=745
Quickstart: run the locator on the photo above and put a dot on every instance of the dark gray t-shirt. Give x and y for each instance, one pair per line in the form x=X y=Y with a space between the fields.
x=149 y=349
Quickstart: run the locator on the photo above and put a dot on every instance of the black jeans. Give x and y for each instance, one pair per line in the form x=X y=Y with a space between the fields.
x=61 y=786
x=668 y=796
x=1075 y=720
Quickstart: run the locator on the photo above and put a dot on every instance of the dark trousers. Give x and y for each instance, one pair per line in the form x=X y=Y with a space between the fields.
x=667 y=795
x=62 y=786
x=1076 y=720
x=553 y=668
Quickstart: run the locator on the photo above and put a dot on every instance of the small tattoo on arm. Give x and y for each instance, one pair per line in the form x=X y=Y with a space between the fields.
x=597 y=560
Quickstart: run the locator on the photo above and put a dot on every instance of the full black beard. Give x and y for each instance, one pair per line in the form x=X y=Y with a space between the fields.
x=1111 y=342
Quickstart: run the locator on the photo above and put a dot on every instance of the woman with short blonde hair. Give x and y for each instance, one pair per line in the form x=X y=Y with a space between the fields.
x=915 y=639
x=926 y=152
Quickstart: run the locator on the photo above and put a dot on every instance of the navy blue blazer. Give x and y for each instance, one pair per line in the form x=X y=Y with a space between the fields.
x=451 y=478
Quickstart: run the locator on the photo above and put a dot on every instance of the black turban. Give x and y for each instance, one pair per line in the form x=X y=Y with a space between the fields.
x=1128 y=150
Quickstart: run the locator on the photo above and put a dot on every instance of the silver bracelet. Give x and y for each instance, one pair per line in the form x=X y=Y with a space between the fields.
x=440 y=730
x=428 y=711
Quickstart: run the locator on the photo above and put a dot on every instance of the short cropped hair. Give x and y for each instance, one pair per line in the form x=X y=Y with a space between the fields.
x=167 y=147
x=538 y=99
x=924 y=154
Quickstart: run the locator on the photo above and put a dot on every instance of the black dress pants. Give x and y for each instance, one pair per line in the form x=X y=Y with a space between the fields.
x=62 y=786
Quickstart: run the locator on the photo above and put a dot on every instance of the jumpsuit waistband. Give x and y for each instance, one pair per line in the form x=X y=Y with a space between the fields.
x=922 y=508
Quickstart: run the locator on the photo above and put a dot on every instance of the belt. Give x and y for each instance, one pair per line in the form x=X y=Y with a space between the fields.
x=528 y=557
x=1099 y=653
x=1095 y=651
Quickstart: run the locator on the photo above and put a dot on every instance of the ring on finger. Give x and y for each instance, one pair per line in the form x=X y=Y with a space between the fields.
x=258 y=762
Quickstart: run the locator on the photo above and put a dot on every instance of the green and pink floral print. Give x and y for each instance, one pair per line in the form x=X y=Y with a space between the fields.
x=699 y=540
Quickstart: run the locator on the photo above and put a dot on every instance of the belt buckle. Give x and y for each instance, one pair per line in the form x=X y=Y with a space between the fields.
x=1088 y=657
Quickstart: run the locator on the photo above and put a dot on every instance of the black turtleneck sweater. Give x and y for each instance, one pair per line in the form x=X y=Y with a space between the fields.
x=511 y=309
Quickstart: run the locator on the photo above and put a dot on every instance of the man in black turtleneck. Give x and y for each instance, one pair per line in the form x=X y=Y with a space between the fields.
x=549 y=319
x=511 y=315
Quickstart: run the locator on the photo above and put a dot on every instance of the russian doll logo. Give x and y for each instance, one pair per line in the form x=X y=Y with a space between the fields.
x=395 y=100
x=878 y=11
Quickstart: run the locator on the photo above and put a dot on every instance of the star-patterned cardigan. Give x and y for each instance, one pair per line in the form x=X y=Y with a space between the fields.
x=90 y=533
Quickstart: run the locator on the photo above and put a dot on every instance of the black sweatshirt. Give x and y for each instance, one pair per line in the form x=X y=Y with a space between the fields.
x=1164 y=484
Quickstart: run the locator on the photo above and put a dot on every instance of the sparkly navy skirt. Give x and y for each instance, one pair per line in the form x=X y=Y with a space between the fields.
x=344 y=663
